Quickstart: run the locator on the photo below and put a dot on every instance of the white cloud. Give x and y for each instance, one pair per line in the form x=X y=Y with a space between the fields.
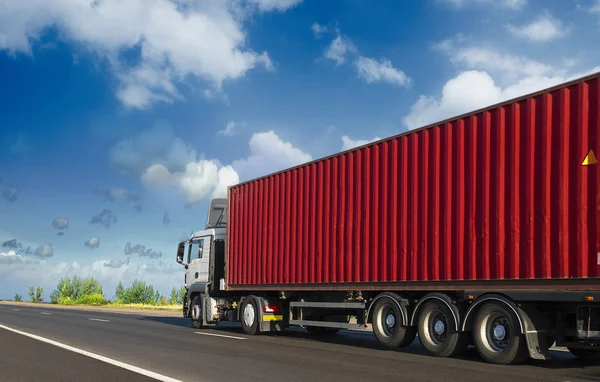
x=318 y=30
x=11 y=257
x=157 y=145
x=229 y=130
x=472 y=90
x=369 y=69
x=200 y=179
x=349 y=143
x=176 y=39
x=381 y=71
x=509 y=65
x=195 y=183
x=275 y=5
x=268 y=154
x=542 y=29
x=511 y=4
x=339 y=48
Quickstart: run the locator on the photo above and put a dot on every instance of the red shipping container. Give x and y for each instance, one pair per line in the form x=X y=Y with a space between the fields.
x=509 y=192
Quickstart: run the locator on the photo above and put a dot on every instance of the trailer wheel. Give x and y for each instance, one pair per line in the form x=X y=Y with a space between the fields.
x=437 y=331
x=497 y=335
x=584 y=353
x=388 y=325
x=196 y=311
x=249 y=315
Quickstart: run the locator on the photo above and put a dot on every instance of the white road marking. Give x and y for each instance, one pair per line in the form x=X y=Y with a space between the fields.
x=45 y=313
x=111 y=361
x=221 y=335
x=17 y=310
x=98 y=319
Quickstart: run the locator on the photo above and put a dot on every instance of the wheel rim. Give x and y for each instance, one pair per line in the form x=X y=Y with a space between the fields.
x=496 y=332
x=196 y=312
x=436 y=328
x=249 y=315
x=387 y=321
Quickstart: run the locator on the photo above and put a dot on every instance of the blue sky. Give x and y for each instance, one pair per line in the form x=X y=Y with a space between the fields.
x=117 y=114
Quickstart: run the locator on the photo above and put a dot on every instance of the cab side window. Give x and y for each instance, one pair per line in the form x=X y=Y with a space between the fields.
x=195 y=251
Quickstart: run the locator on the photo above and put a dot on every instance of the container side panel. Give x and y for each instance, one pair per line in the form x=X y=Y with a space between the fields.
x=422 y=201
x=376 y=265
x=366 y=214
x=327 y=196
x=483 y=189
x=503 y=194
x=513 y=210
x=312 y=255
x=528 y=188
x=308 y=196
x=342 y=219
x=358 y=223
x=458 y=201
x=403 y=191
x=471 y=195
x=434 y=208
x=384 y=212
x=393 y=229
x=594 y=179
x=333 y=232
x=447 y=202
x=350 y=218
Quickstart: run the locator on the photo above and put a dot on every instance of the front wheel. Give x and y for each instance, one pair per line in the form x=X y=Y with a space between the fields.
x=196 y=311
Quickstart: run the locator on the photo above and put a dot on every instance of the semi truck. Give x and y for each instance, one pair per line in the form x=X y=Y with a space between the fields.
x=480 y=230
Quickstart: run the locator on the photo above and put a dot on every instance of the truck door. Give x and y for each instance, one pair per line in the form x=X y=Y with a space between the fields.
x=198 y=260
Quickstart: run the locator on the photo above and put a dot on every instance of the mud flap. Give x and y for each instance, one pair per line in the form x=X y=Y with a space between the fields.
x=534 y=328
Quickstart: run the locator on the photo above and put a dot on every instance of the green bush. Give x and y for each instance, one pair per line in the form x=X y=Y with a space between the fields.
x=18 y=297
x=92 y=299
x=70 y=291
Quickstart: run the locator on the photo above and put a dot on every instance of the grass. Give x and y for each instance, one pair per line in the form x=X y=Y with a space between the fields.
x=145 y=306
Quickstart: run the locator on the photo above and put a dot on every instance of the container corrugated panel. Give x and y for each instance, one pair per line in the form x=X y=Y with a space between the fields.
x=501 y=193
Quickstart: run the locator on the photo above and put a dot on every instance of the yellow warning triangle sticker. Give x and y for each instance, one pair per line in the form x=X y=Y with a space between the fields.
x=589 y=159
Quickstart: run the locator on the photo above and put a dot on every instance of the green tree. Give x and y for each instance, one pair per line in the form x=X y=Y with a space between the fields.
x=139 y=293
x=181 y=295
x=18 y=297
x=174 y=297
x=120 y=293
x=35 y=294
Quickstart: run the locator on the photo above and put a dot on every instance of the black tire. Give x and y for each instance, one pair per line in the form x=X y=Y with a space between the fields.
x=249 y=316
x=585 y=353
x=497 y=335
x=197 y=311
x=388 y=325
x=437 y=331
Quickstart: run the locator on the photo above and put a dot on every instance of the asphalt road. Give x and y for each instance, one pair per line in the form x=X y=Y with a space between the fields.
x=169 y=346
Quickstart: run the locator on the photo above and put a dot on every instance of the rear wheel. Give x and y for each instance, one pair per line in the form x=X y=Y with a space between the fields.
x=497 y=335
x=437 y=331
x=388 y=325
x=249 y=315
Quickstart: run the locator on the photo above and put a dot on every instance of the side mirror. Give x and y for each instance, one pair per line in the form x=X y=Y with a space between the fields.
x=180 y=252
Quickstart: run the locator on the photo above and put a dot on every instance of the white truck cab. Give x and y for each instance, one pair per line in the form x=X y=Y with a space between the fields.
x=203 y=250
